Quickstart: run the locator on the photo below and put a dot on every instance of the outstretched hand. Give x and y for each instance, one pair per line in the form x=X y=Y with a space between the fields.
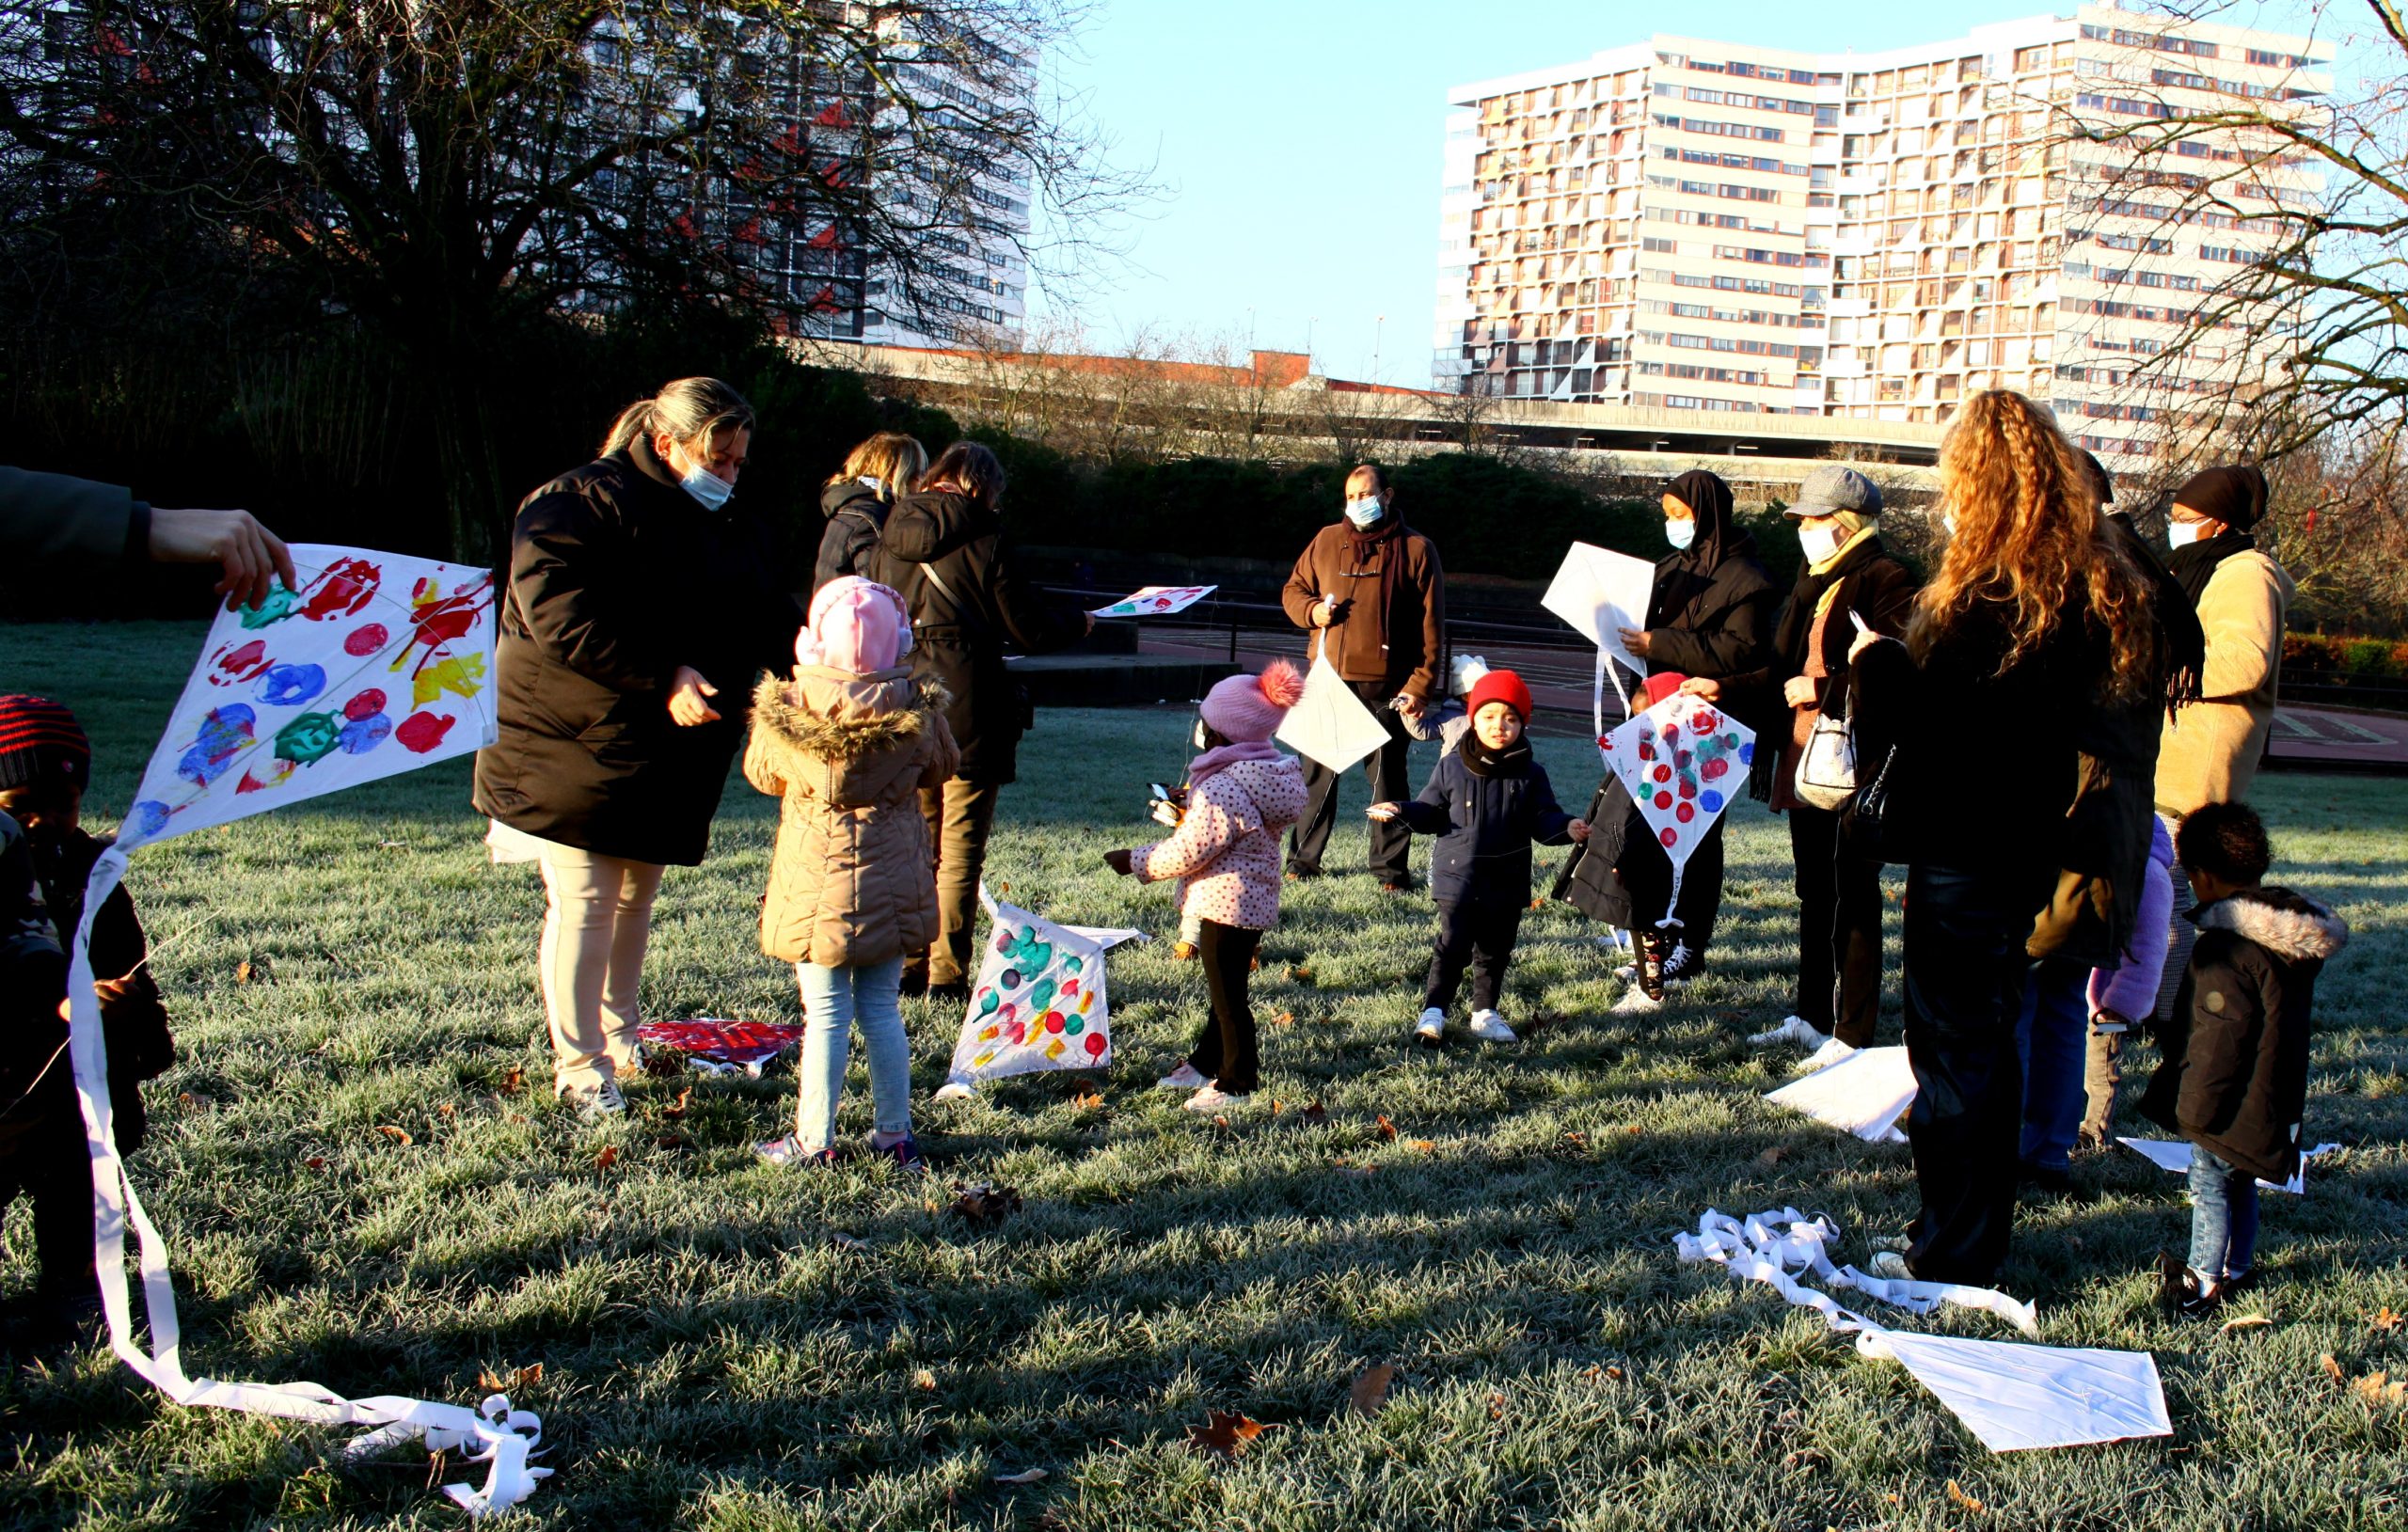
x=1702 y=685
x=247 y=555
x=688 y=694
x=1118 y=860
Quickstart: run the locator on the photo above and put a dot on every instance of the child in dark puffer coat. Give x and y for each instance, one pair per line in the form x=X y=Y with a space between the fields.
x=1488 y=800
x=2235 y=1077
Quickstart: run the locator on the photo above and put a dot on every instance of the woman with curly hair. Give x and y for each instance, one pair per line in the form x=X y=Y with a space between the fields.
x=2035 y=620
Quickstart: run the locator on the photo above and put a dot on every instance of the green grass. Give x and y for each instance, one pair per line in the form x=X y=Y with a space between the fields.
x=719 y=1352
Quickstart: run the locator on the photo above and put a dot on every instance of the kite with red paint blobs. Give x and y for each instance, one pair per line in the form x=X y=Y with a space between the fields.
x=1667 y=757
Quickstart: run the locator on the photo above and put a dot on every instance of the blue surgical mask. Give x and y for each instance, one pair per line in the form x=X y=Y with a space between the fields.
x=1364 y=512
x=708 y=489
x=1680 y=534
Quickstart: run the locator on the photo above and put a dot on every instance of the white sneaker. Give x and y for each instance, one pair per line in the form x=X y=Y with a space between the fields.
x=594 y=1102
x=1624 y=972
x=1432 y=1027
x=1489 y=1027
x=1213 y=1098
x=1184 y=1078
x=1891 y=1266
x=1636 y=1002
x=1793 y=1029
x=1831 y=1053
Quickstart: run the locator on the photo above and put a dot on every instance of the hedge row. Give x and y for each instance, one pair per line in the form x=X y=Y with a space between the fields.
x=2344 y=658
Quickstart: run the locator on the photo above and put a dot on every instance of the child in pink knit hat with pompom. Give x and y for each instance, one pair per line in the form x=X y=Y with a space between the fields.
x=1241 y=793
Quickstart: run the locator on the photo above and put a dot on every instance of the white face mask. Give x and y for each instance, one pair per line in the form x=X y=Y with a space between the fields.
x=1817 y=542
x=2182 y=534
x=1365 y=511
x=1680 y=534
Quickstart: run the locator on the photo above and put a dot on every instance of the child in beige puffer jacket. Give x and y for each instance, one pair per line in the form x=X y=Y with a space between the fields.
x=848 y=744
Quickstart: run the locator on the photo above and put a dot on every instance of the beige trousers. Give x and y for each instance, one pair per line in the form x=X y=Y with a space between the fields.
x=597 y=917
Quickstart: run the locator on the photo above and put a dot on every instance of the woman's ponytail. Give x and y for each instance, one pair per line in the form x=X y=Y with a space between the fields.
x=691 y=410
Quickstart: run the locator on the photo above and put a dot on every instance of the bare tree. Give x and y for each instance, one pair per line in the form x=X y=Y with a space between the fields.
x=442 y=172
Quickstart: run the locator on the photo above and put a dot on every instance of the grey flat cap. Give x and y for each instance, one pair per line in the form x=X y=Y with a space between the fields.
x=1833 y=488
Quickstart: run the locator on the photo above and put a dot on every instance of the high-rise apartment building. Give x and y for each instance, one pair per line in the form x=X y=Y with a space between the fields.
x=1699 y=225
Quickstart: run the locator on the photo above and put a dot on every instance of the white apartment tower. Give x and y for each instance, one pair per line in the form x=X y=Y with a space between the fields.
x=1684 y=224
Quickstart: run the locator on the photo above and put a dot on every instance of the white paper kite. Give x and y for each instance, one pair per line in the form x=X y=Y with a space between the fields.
x=1600 y=592
x=2011 y=1396
x=2175 y=1154
x=1683 y=761
x=1329 y=722
x=1864 y=1093
x=1156 y=601
x=378 y=664
x=1039 y=1001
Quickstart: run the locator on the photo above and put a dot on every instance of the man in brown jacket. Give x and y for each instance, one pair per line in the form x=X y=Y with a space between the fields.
x=1369 y=589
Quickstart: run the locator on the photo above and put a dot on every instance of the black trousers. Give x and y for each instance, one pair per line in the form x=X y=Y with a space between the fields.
x=1386 y=767
x=1224 y=1051
x=1965 y=972
x=1479 y=935
x=48 y=1163
x=1647 y=873
x=1839 y=930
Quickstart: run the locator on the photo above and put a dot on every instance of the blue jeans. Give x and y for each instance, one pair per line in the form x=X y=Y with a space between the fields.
x=834 y=1001
x=2052 y=1039
x=2224 y=1217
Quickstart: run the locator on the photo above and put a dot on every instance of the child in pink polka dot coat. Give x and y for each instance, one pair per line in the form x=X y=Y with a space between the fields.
x=1241 y=793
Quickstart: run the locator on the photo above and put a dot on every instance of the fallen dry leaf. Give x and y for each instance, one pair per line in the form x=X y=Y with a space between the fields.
x=923 y=1378
x=1027 y=1476
x=2332 y=1368
x=1633 y=1129
x=1284 y=1019
x=518 y=1381
x=1386 y=1129
x=609 y=1156
x=1223 y=1432
x=2383 y=1318
x=1963 y=1501
x=1496 y=1406
x=1300 y=975
x=1370 y=1395
x=1770 y=1156
x=1426 y=1146
x=982 y=1203
x=1087 y=1100
x=448 y=1109
x=677 y=1109
x=244 y=971
x=190 y=1102
x=1220 y=1121
x=316 y=1162
x=2378 y=1388
x=513 y=1081
x=1615 y=1373
x=396 y=1134
x=2244 y=1321
x=1315 y=1113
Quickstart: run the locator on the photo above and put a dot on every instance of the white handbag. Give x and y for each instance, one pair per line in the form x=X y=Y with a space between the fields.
x=1826 y=767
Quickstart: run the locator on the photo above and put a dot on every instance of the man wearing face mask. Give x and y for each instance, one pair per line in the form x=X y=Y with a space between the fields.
x=1709 y=618
x=1846 y=574
x=1371 y=592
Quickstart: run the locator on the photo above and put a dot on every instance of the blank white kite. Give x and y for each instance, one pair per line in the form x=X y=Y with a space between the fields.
x=1864 y=1093
x=1329 y=723
x=2175 y=1154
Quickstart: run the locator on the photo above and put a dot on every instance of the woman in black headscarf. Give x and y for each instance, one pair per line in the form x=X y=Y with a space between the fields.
x=1710 y=617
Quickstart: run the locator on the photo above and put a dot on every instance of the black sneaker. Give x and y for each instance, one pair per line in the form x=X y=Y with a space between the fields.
x=1682 y=964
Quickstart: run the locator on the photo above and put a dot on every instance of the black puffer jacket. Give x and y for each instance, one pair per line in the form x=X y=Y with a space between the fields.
x=2235 y=1076
x=617 y=577
x=1486 y=816
x=1987 y=763
x=970 y=603
x=1710 y=613
x=855 y=513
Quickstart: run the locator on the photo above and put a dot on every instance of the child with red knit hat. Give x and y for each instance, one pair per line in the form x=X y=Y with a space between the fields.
x=1488 y=800
x=1241 y=793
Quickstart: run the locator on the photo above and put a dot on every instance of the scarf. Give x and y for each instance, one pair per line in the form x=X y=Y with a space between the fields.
x=2194 y=567
x=1816 y=582
x=1220 y=757
x=1513 y=761
x=1384 y=540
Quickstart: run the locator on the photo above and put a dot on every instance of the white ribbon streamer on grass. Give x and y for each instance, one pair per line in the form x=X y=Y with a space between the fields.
x=504 y=1438
x=2012 y=1397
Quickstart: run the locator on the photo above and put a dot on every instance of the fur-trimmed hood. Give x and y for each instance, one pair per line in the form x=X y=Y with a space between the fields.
x=839 y=715
x=2289 y=926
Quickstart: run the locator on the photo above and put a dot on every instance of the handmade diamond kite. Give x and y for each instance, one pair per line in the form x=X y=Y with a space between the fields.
x=1683 y=761
x=1600 y=592
x=717 y=1047
x=377 y=664
x=1039 y=1004
x=1156 y=601
x=1329 y=722
x=2175 y=1154
x=1864 y=1093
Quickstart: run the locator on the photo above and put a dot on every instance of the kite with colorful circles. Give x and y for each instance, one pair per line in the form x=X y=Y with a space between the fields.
x=1683 y=761
x=1039 y=1003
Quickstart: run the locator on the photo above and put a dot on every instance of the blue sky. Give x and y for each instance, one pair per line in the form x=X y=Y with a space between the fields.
x=1299 y=144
